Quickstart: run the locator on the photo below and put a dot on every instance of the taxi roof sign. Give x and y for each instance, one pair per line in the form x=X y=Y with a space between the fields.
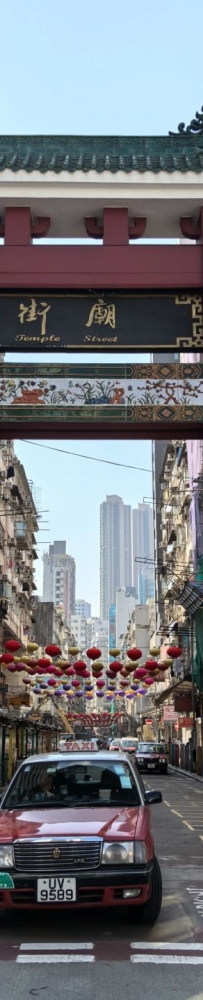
x=78 y=745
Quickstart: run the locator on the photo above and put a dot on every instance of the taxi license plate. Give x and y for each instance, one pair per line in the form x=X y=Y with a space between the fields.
x=151 y=765
x=56 y=890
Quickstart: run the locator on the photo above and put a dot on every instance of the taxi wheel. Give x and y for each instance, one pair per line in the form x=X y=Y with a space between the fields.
x=149 y=912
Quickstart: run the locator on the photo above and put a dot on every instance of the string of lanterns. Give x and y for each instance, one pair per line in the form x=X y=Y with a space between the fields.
x=53 y=675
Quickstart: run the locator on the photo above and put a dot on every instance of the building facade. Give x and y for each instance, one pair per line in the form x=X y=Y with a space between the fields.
x=83 y=608
x=79 y=630
x=115 y=550
x=158 y=453
x=18 y=527
x=176 y=561
x=126 y=598
x=59 y=575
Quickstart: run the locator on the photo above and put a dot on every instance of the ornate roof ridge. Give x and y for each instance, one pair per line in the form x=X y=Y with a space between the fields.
x=182 y=151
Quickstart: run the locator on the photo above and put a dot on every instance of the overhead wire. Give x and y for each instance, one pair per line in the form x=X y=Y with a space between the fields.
x=90 y=458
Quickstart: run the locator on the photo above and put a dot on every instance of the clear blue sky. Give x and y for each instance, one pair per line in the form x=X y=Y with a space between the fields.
x=87 y=68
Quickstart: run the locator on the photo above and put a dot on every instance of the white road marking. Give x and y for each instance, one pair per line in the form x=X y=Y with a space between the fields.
x=61 y=946
x=53 y=959
x=197 y=899
x=165 y=946
x=167 y=959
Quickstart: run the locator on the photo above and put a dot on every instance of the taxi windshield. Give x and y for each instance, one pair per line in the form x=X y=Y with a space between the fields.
x=150 y=748
x=74 y=783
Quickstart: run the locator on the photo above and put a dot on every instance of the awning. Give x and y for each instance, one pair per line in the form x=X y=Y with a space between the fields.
x=182 y=686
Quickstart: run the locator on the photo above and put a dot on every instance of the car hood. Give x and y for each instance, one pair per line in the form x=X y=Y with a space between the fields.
x=108 y=822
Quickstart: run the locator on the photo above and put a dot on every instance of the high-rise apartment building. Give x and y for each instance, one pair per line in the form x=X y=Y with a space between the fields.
x=143 y=552
x=59 y=578
x=115 y=550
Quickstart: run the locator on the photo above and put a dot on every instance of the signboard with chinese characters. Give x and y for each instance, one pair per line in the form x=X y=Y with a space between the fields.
x=169 y=714
x=103 y=321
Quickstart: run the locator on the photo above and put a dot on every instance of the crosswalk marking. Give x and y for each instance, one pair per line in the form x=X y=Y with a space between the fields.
x=165 y=946
x=59 y=946
x=167 y=959
x=53 y=959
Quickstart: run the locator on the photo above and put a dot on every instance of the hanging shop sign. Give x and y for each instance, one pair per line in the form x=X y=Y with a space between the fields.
x=102 y=321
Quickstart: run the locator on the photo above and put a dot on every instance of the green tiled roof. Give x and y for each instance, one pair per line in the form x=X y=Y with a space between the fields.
x=181 y=152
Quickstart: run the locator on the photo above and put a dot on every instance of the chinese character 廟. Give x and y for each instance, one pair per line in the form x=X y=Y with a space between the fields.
x=101 y=313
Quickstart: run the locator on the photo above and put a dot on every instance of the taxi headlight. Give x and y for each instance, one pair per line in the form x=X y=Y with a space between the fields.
x=118 y=854
x=6 y=856
x=125 y=853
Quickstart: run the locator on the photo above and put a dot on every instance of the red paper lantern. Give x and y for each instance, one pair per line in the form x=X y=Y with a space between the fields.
x=12 y=645
x=93 y=653
x=52 y=682
x=174 y=652
x=75 y=683
x=140 y=672
x=149 y=681
x=12 y=667
x=100 y=684
x=116 y=666
x=151 y=665
x=43 y=662
x=134 y=653
x=70 y=672
x=79 y=666
x=6 y=658
x=164 y=666
x=86 y=673
x=52 y=650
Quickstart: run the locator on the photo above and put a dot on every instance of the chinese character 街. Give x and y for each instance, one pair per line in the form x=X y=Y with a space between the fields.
x=30 y=313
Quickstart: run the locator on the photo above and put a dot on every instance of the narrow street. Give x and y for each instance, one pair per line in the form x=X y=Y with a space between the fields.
x=48 y=955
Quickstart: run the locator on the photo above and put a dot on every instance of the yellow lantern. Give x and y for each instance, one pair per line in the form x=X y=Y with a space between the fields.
x=32 y=646
x=114 y=652
x=73 y=650
x=155 y=651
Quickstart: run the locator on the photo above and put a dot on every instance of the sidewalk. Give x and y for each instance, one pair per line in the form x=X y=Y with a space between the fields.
x=185 y=774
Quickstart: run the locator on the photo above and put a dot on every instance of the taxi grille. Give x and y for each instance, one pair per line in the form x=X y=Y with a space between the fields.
x=32 y=856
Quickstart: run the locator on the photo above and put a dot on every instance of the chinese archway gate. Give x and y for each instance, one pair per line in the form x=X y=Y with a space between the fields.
x=113 y=294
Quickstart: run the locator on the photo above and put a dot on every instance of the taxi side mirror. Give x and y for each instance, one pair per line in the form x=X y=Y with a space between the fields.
x=152 y=797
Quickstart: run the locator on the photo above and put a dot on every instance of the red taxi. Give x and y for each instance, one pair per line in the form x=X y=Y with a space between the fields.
x=152 y=757
x=75 y=831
